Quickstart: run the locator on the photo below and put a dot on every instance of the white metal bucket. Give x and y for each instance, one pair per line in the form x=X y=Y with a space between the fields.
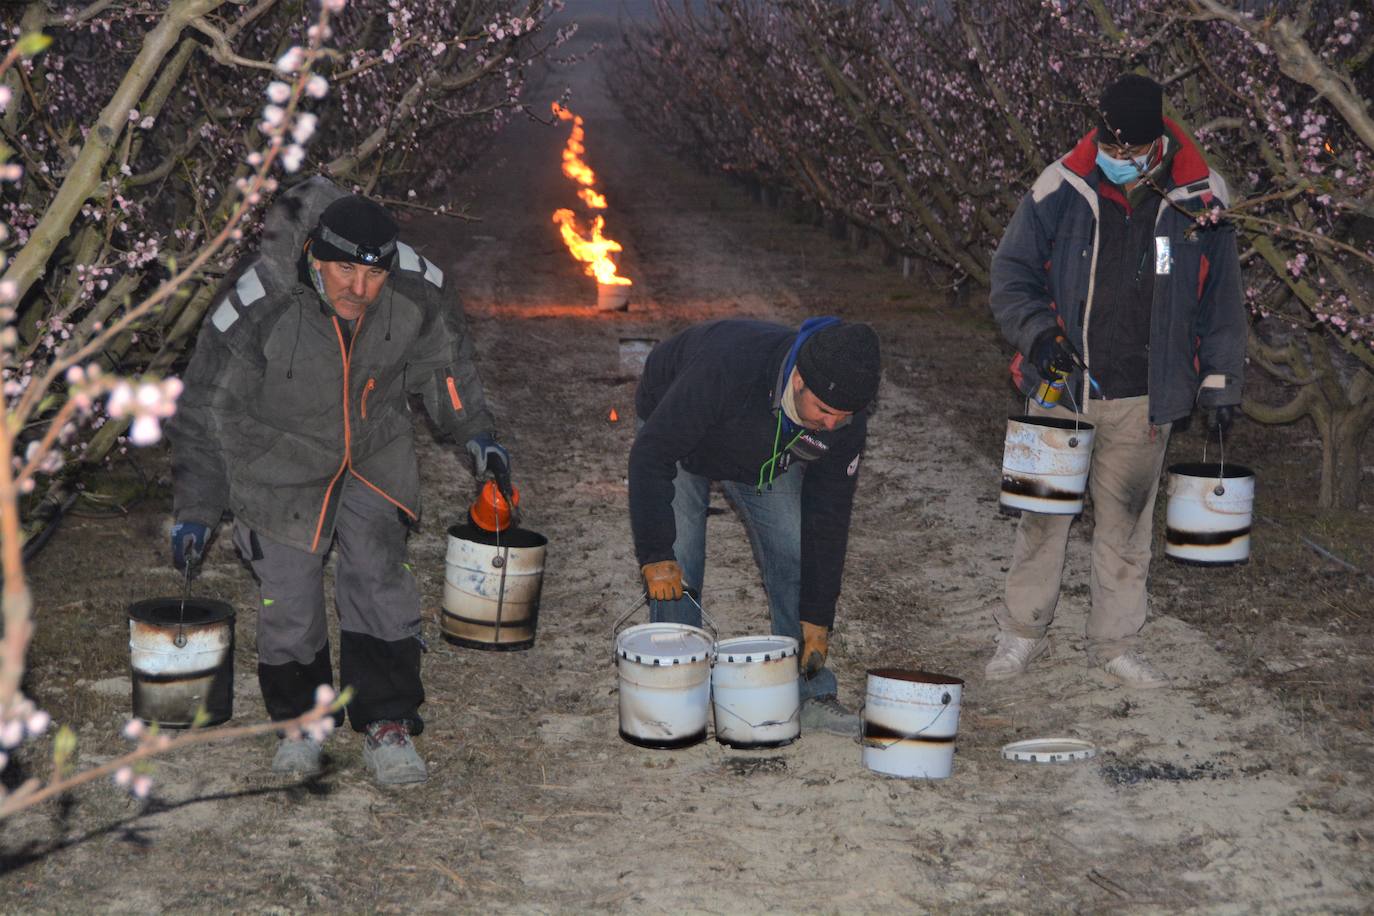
x=1045 y=464
x=665 y=684
x=181 y=661
x=491 y=587
x=756 y=694
x=909 y=722
x=1209 y=514
x=612 y=297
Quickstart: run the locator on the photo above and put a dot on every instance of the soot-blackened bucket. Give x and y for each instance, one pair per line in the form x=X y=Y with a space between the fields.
x=181 y=660
x=492 y=583
x=755 y=690
x=1209 y=514
x=910 y=719
x=612 y=297
x=1045 y=464
x=665 y=684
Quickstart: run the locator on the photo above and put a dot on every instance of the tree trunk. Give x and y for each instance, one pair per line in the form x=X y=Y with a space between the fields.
x=1342 y=442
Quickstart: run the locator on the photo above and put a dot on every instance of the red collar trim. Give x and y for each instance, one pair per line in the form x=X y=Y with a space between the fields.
x=1188 y=165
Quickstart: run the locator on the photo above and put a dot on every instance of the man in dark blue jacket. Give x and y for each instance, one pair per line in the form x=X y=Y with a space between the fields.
x=1113 y=268
x=780 y=419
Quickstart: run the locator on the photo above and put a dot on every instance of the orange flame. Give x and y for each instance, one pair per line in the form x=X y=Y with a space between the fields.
x=1327 y=144
x=614 y=417
x=573 y=166
x=594 y=250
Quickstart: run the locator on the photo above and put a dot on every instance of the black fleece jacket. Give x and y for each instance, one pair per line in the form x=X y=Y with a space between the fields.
x=709 y=398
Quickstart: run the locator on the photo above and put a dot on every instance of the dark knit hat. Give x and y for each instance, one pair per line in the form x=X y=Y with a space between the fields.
x=355 y=229
x=1131 y=111
x=840 y=365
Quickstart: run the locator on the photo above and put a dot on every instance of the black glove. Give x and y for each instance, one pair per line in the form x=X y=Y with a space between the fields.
x=489 y=456
x=1050 y=354
x=1219 y=420
x=188 y=544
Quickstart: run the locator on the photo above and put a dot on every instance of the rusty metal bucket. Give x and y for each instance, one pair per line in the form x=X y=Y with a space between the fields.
x=1209 y=513
x=181 y=660
x=1045 y=465
x=492 y=582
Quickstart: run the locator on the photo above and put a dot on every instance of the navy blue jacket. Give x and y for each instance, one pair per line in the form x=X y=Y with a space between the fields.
x=709 y=398
x=1045 y=269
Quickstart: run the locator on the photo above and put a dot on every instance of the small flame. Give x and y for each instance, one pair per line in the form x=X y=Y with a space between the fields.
x=1327 y=144
x=592 y=199
x=594 y=250
x=615 y=417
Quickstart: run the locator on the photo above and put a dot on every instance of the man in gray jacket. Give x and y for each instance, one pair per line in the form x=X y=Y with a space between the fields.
x=1112 y=269
x=295 y=419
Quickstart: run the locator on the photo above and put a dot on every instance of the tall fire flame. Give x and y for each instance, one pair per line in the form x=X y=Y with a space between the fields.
x=592 y=249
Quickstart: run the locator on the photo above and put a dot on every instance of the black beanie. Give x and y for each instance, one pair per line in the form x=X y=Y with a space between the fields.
x=839 y=364
x=355 y=229
x=1133 y=109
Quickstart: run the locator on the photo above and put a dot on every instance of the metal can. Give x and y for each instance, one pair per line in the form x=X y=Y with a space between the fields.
x=1050 y=390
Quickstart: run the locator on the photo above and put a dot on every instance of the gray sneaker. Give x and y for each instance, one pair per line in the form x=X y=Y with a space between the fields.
x=1134 y=670
x=297 y=756
x=1014 y=655
x=390 y=754
x=828 y=714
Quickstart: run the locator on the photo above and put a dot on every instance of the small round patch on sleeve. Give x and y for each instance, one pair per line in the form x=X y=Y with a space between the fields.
x=854 y=465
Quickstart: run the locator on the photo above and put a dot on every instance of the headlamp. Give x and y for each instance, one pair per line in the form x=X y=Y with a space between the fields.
x=368 y=255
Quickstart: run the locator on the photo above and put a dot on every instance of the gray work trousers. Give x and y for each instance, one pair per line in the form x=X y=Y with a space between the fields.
x=1123 y=480
x=378 y=603
x=374 y=590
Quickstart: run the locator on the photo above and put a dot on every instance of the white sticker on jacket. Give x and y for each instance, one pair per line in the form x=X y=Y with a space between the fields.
x=853 y=466
x=1163 y=260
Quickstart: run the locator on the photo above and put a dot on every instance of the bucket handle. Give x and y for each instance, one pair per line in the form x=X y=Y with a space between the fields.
x=1220 y=488
x=643 y=601
x=945 y=700
x=795 y=714
x=1077 y=414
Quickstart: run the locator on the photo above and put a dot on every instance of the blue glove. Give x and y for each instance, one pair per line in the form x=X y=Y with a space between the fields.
x=188 y=544
x=489 y=456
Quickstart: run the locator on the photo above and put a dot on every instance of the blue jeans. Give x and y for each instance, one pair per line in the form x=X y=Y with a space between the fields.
x=773 y=521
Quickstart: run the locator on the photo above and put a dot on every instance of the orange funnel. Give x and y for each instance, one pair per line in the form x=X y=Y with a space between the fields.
x=490 y=511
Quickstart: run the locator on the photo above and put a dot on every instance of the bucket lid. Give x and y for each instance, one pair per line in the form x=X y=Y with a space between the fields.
x=755 y=649
x=1049 y=750
x=664 y=644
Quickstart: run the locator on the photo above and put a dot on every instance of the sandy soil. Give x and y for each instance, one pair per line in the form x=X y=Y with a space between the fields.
x=1212 y=795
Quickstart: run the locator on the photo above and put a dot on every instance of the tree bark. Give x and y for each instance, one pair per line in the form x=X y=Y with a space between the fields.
x=31 y=262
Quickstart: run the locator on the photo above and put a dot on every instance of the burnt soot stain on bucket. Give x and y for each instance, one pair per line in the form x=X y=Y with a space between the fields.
x=181 y=660
x=1023 y=486
x=493 y=582
x=1204 y=538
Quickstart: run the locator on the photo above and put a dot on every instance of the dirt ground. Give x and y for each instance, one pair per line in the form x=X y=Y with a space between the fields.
x=1245 y=789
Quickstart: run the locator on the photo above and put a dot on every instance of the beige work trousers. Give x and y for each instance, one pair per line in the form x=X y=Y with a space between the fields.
x=1123 y=479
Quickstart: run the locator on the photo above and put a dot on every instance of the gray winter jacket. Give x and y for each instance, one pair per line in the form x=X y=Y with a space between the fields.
x=1044 y=272
x=280 y=404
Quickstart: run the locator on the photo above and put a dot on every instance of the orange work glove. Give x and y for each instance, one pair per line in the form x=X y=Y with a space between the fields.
x=815 y=645
x=663 y=580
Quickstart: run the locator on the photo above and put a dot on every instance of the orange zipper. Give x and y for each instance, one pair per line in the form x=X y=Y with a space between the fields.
x=346 y=350
x=367 y=389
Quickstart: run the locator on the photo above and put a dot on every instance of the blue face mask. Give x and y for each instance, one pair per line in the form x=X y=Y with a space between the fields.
x=1122 y=171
